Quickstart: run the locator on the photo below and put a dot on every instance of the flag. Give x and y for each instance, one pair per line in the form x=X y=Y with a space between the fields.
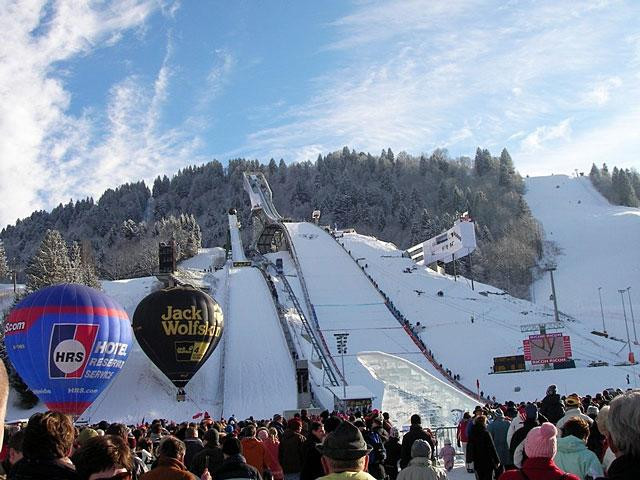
x=197 y=415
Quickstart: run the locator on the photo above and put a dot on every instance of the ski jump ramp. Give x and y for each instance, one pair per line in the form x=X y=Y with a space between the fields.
x=344 y=301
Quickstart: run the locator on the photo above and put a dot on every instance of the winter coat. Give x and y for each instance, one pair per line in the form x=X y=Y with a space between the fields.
x=199 y=462
x=574 y=412
x=290 y=454
x=498 y=430
x=573 y=456
x=481 y=451
x=516 y=447
x=394 y=452
x=514 y=426
x=235 y=466
x=311 y=459
x=37 y=469
x=378 y=455
x=415 y=432
x=420 y=468
x=538 y=468
x=255 y=453
x=552 y=408
x=448 y=454
x=168 y=469
x=461 y=434
x=194 y=445
x=273 y=448
x=625 y=467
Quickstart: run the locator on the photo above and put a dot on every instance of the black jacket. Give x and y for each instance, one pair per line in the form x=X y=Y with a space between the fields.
x=481 y=450
x=415 y=432
x=519 y=436
x=199 y=462
x=552 y=408
x=194 y=445
x=625 y=467
x=236 y=467
x=311 y=459
x=40 y=469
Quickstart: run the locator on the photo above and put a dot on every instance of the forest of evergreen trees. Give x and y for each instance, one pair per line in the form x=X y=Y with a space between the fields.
x=620 y=187
x=398 y=198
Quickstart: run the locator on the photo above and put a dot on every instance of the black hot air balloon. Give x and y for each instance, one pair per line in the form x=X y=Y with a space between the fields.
x=178 y=328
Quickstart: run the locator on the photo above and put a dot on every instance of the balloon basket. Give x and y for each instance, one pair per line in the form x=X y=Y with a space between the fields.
x=181 y=396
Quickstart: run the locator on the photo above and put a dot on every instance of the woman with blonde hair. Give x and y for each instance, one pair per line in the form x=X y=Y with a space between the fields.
x=269 y=439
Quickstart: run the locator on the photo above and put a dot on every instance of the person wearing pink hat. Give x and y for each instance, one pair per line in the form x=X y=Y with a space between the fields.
x=540 y=447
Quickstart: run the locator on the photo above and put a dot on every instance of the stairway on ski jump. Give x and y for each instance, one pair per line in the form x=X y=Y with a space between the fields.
x=345 y=301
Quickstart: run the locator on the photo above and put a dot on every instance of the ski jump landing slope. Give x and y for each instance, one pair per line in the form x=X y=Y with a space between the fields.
x=345 y=301
x=600 y=247
x=260 y=378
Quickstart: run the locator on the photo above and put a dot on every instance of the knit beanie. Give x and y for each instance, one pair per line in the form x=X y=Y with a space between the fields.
x=85 y=435
x=541 y=441
x=593 y=410
x=551 y=390
x=498 y=413
x=531 y=412
x=263 y=435
x=420 y=448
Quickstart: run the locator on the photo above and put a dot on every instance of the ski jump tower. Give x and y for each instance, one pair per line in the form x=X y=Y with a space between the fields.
x=268 y=234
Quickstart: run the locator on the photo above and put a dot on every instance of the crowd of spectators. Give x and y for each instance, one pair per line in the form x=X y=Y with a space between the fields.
x=559 y=438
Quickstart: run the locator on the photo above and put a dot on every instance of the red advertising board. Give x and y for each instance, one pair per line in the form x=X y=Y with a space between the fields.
x=547 y=348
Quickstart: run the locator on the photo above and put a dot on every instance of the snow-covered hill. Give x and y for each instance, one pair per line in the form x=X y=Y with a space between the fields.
x=599 y=245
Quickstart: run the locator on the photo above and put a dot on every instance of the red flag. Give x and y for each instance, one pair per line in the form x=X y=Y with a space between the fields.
x=197 y=415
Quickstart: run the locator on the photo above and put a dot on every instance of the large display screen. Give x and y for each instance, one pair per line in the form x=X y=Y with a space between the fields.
x=547 y=348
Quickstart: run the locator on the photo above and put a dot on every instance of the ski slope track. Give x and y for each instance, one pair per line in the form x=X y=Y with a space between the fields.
x=600 y=247
x=344 y=300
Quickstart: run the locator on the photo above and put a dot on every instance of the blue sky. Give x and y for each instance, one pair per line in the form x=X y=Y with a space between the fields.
x=95 y=94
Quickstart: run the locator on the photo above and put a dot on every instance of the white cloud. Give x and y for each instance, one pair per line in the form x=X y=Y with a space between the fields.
x=545 y=134
x=600 y=93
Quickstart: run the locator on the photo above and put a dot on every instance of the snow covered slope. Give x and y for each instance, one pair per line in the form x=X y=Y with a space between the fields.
x=259 y=372
x=467 y=348
x=345 y=301
x=600 y=247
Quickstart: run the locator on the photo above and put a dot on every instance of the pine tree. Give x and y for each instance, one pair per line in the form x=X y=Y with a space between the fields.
x=50 y=265
x=4 y=269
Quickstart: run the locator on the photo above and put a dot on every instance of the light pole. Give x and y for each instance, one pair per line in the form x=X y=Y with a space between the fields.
x=341 y=344
x=633 y=319
x=604 y=329
x=626 y=325
x=552 y=269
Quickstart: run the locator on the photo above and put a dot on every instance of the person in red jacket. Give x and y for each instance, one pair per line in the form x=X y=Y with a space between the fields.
x=462 y=437
x=540 y=446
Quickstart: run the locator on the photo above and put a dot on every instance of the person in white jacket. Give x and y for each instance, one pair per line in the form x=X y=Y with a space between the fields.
x=420 y=467
x=574 y=409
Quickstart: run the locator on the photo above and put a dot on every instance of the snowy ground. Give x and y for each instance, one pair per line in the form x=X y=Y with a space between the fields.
x=599 y=244
x=468 y=348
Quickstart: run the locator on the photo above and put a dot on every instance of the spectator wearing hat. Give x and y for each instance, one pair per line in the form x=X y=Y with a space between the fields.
x=84 y=436
x=498 y=429
x=290 y=453
x=210 y=457
x=420 y=467
x=103 y=457
x=623 y=435
x=574 y=409
x=552 y=405
x=596 y=441
x=516 y=447
x=46 y=447
x=448 y=454
x=415 y=432
x=345 y=454
x=540 y=447
x=481 y=451
x=573 y=455
x=234 y=465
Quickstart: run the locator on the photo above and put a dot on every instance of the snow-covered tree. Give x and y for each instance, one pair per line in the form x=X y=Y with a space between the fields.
x=51 y=264
x=4 y=268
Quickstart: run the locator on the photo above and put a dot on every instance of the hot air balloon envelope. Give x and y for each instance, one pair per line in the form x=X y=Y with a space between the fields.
x=178 y=328
x=67 y=342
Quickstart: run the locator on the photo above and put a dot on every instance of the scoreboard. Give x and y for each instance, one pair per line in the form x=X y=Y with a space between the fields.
x=513 y=363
